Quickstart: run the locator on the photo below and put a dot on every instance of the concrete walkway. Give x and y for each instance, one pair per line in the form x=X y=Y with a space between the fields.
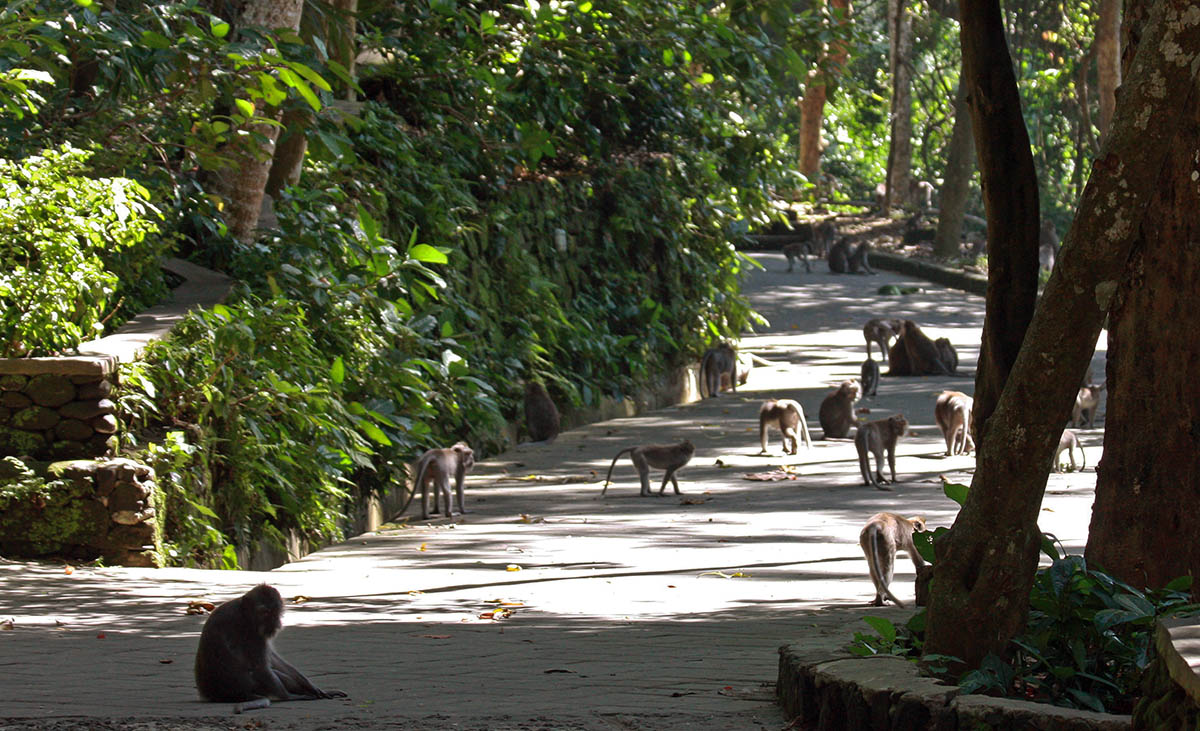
x=627 y=612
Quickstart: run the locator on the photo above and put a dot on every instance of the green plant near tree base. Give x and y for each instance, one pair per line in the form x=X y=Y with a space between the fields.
x=1086 y=643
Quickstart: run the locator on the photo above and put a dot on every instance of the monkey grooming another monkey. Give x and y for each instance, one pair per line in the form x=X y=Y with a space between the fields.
x=787 y=416
x=881 y=537
x=870 y=377
x=541 y=415
x=669 y=457
x=236 y=663
x=1069 y=441
x=881 y=331
x=843 y=259
x=877 y=437
x=914 y=354
x=1085 y=405
x=437 y=466
x=836 y=414
x=718 y=360
x=952 y=412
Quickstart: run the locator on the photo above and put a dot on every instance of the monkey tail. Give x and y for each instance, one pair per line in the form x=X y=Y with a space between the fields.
x=1082 y=459
x=705 y=367
x=608 y=478
x=804 y=431
x=881 y=584
x=412 y=493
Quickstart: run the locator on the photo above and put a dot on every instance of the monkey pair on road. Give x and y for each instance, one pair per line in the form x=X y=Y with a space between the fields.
x=881 y=537
x=236 y=663
x=842 y=258
x=914 y=354
x=669 y=457
x=787 y=416
x=822 y=237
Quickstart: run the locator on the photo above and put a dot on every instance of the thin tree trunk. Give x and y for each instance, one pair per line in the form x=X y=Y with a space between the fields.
x=816 y=91
x=900 y=157
x=986 y=563
x=243 y=184
x=345 y=46
x=289 y=153
x=1108 y=60
x=960 y=164
x=1145 y=527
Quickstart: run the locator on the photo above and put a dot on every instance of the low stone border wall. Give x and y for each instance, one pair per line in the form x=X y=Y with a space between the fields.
x=966 y=281
x=57 y=407
x=1171 y=688
x=833 y=691
x=82 y=509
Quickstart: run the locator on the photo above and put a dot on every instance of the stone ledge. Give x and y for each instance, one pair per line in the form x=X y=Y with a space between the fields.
x=966 y=281
x=829 y=691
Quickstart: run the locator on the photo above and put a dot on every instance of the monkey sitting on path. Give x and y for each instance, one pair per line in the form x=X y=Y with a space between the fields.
x=717 y=361
x=669 y=457
x=236 y=663
x=914 y=354
x=541 y=415
x=836 y=414
x=787 y=416
x=878 y=437
x=880 y=538
x=843 y=259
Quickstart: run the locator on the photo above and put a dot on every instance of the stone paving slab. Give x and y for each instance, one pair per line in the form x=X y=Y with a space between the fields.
x=630 y=612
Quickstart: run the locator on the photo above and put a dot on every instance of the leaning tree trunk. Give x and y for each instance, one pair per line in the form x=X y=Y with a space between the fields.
x=1108 y=60
x=899 y=173
x=245 y=181
x=816 y=91
x=960 y=164
x=1145 y=526
x=986 y=563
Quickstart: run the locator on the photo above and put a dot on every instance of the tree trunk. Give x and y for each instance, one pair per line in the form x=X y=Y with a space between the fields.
x=343 y=44
x=816 y=90
x=1145 y=527
x=986 y=563
x=289 y=153
x=900 y=158
x=243 y=184
x=1108 y=60
x=960 y=164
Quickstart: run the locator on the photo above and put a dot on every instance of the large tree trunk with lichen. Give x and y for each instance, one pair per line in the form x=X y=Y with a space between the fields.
x=1108 y=60
x=986 y=563
x=1145 y=526
x=244 y=182
x=899 y=172
x=960 y=164
x=816 y=92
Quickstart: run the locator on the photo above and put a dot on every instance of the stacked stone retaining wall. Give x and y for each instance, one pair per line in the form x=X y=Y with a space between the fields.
x=56 y=408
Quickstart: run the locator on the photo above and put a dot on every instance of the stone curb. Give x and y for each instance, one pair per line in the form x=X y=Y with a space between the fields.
x=973 y=283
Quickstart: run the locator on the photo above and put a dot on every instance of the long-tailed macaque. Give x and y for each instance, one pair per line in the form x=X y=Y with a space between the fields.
x=881 y=537
x=1047 y=244
x=787 y=416
x=719 y=359
x=836 y=414
x=669 y=457
x=1085 y=405
x=745 y=364
x=843 y=259
x=541 y=415
x=798 y=250
x=881 y=331
x=438 y=466
x=947 y=354
x=878 y=437
x=952 y=412
x=914 y=354
x=870 y=377
x=236 y=663
x=823 y=235
x=1069 y=442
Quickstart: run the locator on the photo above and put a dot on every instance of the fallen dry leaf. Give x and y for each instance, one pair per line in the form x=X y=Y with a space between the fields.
x=68 y=569
x=422 y=548
x=693 y=501
x=435 y=637
x=770 y=476
x=414 y=592
x=199 y=606
x=7 y=625
x=299 y=599
x=499 y=613
x=512 y=567
x=166 y=661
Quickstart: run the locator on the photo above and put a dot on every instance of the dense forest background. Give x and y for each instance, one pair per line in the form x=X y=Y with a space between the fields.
x=460 y=196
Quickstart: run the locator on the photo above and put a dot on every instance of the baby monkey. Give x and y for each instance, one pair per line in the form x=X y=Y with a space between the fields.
x=878 y=437
x=669 y=457
x=787 y=416
x=881 y=537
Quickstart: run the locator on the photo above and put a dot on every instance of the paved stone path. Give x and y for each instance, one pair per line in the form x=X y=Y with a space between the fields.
x=628 y=612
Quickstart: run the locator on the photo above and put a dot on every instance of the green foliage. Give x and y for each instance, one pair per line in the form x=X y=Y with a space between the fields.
x=63 y=239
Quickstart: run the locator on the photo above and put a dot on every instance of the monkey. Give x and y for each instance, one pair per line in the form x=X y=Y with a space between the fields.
x=541 y=415
x=881 y=537
x=718 y=360
x=922 y=194
x=787 y=416
x=1085 y=405
x=437 y=466
x=799 y=250
x=1069 y=442
x=947 y=353
x=952 y=412
x=837 y=411
x=914 y=354
x=669 y=457
x=823 y=236
x=878 y=437
x=843 y=259
x=881 y=331
x=870 y=377
x=236 y=663
x=745 y=364
x=1047 y=245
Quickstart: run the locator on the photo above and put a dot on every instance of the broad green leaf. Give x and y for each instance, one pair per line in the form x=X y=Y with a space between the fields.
x=245 y=107
x=337 y=372
x=155 y=40
x=955 y=491
x=428 y=254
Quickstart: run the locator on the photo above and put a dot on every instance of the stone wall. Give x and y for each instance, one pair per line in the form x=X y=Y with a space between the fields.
x=1171 y=686
x=57 y=408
